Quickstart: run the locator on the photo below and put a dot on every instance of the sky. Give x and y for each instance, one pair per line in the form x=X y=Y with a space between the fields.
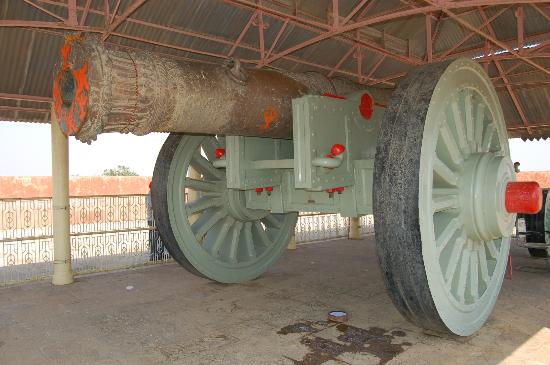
x=25 y=151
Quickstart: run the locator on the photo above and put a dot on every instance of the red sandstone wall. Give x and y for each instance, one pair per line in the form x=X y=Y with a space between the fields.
x=542 y=177
x=41 y=186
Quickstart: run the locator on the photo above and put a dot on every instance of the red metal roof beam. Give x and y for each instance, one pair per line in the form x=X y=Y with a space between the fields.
x=335 y=14
x=71 y=13
x=44 y=10
x=261 y=27
x=429 y=54
x=115 y=11
x=355 y=10
x=279 y=34
x=375 y=67
x=533 y=126
x=46 y=25
x=39 y=99
x=358 y=55
x=463 y=40
x=515 y=100
x=85 y=12
x=243 y=33
x=23 y=109
x=310 y=25
x=129 y=11
x=342 y=60
x=520 y=28
x=106 y=14
x=492 y=39
x=541 y=12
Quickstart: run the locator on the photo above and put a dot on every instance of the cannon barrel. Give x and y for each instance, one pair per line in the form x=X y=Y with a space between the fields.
x=101 y=89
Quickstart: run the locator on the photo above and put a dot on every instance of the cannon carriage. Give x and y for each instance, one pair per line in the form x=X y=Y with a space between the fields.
x=249 y=149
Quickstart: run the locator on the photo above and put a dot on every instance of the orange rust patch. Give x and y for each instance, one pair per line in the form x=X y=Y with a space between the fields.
x=71 y=119
x=65 y=52
x=269 y=114
x=82 y=90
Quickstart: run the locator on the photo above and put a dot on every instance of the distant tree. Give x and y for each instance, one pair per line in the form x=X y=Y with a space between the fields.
x=120 y=170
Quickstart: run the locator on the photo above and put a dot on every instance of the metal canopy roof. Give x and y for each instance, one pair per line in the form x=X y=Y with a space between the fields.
x=374 y=42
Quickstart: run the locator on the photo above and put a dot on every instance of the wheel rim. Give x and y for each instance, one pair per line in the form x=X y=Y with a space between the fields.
x=218 y=235
x=464 y=168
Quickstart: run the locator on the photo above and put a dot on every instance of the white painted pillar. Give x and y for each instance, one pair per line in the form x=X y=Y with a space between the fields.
x=354 y=233
x=62 y=272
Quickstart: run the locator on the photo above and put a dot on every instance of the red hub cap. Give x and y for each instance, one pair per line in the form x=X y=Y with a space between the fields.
x=523 y=197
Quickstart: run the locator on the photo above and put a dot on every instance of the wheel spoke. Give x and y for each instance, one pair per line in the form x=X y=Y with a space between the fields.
x=459 y=125
x=205 y=167
x=492 y=249
x=200 y=227
x=469 y=119
x=445 y=172
x=221 y=141
x=474 y=275
x=445 y=236
x=464 y=269
x=483 y=263
x=201 y=185
x=445 y=191
x=203 y=203
x=271 y=221
x=234 y=243
x=264 y=239
x=213 y=247
x=444 y=203
x=249 y=241
x=453 y=262
x=479 y=123
x=209 y=146
x=450 y=143
x=487 y=137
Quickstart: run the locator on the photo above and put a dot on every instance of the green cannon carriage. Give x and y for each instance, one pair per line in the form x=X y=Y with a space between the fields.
x=249 y=149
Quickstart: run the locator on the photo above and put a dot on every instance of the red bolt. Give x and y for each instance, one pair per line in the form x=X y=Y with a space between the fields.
x=523 y=197
x=330 y=191
x=337 y=149
x=220 y=152
x=259 y=190
x=334 y=96
x=339 y=189
x=269 y=189
x=366 y=106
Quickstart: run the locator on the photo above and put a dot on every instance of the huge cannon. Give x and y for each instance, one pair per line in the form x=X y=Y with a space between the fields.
x=257 y=146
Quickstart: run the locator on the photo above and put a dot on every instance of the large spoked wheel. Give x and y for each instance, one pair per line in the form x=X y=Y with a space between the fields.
x=205 y=226
x=442 y=165
x=538 y=226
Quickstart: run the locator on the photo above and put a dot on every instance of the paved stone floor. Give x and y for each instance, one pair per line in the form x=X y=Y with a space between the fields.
x=164 y=315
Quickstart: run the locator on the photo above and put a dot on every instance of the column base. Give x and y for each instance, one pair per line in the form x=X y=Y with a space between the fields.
x=62 y=274
x=354 y=232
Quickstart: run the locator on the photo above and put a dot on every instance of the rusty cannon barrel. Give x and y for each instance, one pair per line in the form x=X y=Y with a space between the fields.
x=99 y=89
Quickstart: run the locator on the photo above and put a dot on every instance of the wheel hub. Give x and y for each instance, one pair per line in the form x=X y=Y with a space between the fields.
x=236 y=205
x=482 y=195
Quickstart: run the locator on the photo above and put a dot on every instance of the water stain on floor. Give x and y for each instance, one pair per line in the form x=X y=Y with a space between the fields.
x=373 y=340
x=304 y=327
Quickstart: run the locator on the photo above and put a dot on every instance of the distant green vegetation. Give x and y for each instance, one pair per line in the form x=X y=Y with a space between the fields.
x=120 y=170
